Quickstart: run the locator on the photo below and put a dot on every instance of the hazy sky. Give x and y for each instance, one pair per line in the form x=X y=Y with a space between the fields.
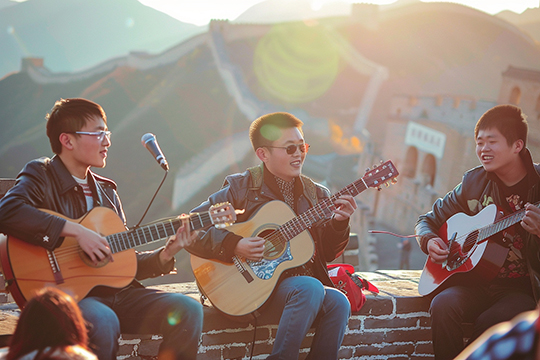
x=200 y=12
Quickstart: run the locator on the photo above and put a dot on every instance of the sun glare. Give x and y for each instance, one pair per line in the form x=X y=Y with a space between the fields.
x=202 y=11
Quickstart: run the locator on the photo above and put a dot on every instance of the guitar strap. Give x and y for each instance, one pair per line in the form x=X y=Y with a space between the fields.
x=310 y=189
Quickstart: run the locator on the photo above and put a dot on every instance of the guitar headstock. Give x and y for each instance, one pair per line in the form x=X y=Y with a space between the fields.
x=384 y=174
x=222 y=214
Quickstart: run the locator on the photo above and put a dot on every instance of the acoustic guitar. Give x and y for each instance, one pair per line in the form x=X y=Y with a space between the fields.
x=28 y=268
x=238 y=289
x=471 y=255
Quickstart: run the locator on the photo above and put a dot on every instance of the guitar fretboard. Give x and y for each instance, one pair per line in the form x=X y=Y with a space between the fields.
x=154 y=232
x=321 y=211
x=488 y=231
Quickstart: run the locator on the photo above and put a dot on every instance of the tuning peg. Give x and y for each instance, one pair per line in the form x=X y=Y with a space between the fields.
x=386 y=184
x=367 y=170
x=393 y=181
x=222 y=225
x=379 y=188
x=380 y=161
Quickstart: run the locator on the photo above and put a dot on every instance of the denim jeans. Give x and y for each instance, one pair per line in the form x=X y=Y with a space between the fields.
x=298 y=301
x=484 y=306
x=177 y=317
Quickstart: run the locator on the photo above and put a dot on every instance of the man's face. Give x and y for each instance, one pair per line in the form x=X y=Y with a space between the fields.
x=283 y=165
x=91 y=150
x=494 y=152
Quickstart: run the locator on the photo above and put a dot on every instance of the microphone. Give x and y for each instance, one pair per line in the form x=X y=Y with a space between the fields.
x=149 y=141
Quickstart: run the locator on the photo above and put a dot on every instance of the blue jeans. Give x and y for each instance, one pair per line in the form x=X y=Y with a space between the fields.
x=177 y=317
x=299 y=300
x=484 y=306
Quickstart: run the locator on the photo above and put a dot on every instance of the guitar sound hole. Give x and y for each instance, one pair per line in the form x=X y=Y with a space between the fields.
x=274 y=245
x=470 y=241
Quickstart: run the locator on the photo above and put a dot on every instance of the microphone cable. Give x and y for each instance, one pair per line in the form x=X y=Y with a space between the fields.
x=151 y=201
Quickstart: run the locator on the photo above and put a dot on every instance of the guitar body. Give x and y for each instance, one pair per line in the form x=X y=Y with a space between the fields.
x=238 y=293
x=483 y=259
x=27 y=268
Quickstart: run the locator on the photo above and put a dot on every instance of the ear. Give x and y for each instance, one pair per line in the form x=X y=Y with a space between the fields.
x=262 y=154
x=518 y=145
x=66 y=141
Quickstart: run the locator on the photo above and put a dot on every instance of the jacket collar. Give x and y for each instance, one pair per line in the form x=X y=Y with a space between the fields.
x=529 y=164
x=66 y=181
x=299 y=187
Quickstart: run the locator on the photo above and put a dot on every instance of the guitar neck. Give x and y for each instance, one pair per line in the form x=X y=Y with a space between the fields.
x=154 y=232
x=504 y=223
x=321 y=211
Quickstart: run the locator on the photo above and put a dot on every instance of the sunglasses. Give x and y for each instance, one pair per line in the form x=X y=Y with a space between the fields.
x=291 y=149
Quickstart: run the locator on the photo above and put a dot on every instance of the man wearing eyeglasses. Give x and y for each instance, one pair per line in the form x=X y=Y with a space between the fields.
x=303 y=293
x=78 y=134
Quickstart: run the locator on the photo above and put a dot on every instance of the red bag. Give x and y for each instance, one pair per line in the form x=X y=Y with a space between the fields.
x=352 y=285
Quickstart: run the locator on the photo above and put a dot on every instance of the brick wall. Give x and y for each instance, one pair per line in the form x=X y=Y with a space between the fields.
x=392 y=325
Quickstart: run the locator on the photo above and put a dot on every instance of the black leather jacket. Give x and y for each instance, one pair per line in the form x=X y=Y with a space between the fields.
x=46 y=184
x=330 y=238
x=477 y=190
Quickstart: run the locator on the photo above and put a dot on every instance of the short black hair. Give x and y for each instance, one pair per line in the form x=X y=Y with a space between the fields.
x=70 y=115
x=266 y=129
x=508 y=119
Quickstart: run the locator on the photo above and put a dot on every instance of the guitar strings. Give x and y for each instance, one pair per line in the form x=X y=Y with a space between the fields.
x=504 y=222
x=117 y=242
x=293 y=226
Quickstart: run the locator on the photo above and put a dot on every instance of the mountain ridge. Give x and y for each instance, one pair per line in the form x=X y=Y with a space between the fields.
x=186 y=103
x=51 y=29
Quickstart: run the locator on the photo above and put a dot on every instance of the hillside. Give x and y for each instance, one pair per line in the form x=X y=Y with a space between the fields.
x=428 y=49
x=194 y=95
x=178 y=103
x=442 y=48
x=78 y=34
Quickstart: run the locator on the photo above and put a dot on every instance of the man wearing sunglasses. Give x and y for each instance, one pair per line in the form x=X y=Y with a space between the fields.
x=77 y=131
x=304 y=293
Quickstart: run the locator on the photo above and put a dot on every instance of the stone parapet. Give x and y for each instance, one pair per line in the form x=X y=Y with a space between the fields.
x=393 y=324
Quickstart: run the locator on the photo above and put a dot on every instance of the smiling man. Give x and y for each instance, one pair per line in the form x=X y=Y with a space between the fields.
x=305 y=292
x=79 y=137
x=509 y=179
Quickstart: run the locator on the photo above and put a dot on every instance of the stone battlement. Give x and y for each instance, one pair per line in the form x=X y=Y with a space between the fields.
x=393 y=324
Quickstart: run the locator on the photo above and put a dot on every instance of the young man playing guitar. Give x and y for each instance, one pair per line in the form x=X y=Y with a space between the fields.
x=509 y=179
x=77 y=130
x=305 y=292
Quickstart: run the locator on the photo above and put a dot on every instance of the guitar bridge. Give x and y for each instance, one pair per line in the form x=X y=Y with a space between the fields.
x=454 y=259
x=242 y=270
x=57 y=273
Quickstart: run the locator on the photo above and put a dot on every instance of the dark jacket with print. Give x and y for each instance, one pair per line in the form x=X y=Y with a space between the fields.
x=478 y=189
x=330 y=238
x=46 y=184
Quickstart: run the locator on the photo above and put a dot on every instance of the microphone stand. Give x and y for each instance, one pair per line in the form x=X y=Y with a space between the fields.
x=151 y=201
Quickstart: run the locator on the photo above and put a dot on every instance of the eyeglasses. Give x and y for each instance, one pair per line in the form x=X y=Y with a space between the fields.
x=291 y=149
x=98 y=134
